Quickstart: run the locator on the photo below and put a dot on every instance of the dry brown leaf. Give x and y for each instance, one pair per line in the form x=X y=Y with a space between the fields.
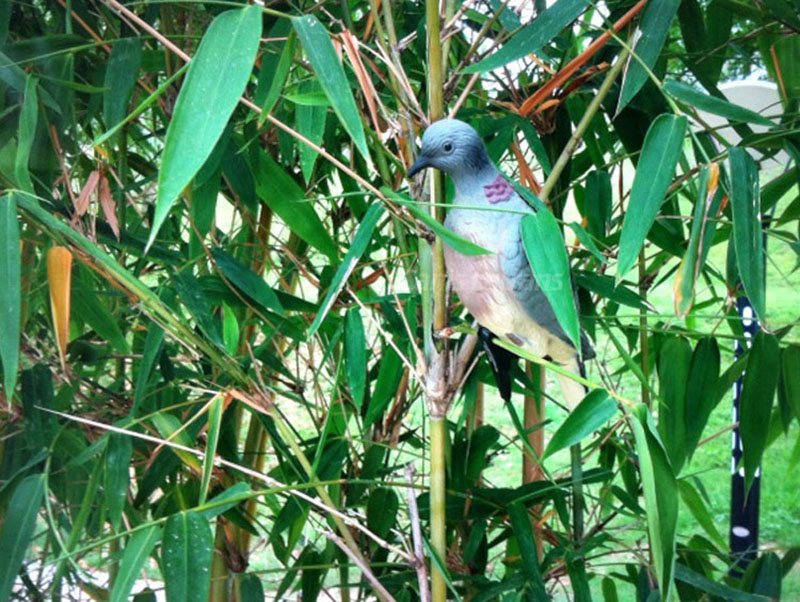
x=351 y=48
x=59 y=280
x=108 y=205
x=579 y=61
x=85 y=197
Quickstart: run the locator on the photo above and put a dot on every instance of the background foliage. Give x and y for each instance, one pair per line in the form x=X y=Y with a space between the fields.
x=222 y=304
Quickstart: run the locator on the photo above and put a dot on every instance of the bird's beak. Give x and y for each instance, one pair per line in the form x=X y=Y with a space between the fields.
x=420 y=164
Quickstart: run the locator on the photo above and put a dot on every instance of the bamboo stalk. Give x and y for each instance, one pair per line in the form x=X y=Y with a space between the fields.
x=436 y=378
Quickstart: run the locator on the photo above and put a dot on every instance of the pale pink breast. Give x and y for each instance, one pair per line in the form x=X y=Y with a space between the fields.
x=478 y=280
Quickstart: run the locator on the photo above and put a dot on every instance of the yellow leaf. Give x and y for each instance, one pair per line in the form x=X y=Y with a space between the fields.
x=59 y=279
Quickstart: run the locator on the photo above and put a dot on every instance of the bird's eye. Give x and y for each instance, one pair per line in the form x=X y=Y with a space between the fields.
x=447 y=147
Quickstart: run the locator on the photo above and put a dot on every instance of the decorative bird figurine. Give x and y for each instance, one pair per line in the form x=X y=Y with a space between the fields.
x=499 y=289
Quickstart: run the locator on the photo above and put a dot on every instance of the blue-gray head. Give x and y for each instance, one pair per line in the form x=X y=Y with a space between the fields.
x=452 y=146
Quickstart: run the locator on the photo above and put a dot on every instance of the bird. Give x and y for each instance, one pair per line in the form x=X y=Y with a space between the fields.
x=498 y=289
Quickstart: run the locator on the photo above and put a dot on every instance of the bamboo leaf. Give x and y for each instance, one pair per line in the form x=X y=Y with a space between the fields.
x=701 y=390
x=382 y=509
x=590 y=414
x=790 y=366
x=653 y=30
x=17 y=530
x=758 y=393
x=230 y=330
x=660 y=497
x=523 y=531
x=274 y=68
x=214 y=422
x=711 y=104
x=89 y=308
x=748 y=238
x=247 y=281
x=691 y=498
x=10 y=291
x=547 y=256
x=206 y=102
x=531 y=38
x=663 y=145
x=709 y=199
x=118 y=459
x=458 y=242
x=360 y=244
x=26 y=132
x=673 y=373
x=714 y=588
x=59 y=280
x=134 y=557
x=310 y=121
x=355 y=345
x=122 y=72
x=282 y=194
x=186 y=550
x=331 y=76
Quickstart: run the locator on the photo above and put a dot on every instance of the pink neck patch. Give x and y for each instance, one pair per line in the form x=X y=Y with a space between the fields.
x=498 y=191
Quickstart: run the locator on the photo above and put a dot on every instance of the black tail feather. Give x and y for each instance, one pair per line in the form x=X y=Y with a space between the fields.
x=501 y=362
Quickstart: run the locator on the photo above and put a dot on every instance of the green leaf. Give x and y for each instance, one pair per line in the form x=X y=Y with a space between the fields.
x=118 y=462
x=673 y=372
x=247 y=281
x=17 y=531
x=214 y=421
x=26 y=132
x=382 y=509
x=586 y=240
x=523 y=531
x=122 y=71
x=786 y=53
x=656 y=21
x=86 y=305
x=711 y=104
x=390 y=371
x=186 y=551
x=590 y=414
x=790 y=366
x=134 y=557
x=10 y=292
x=597 y=203
x=531 y=38
x=714 y=588
x=704 y=225
x=152 y=349
x=701 y=390
x=663 y=146
x=274 y=68
x=458 y=242
x=280 y=192
x=755 y=404
x=748 y=238
x=360 y=244
x=355 y=345
x=660 y=497
x=226 y=500
x=331 y=76
x=206 y=102
x=250 y=588
x=194 y=298
x=547 y=255
x=230 y=330
x=606 y=287
x=691 y=498
x=310 y=121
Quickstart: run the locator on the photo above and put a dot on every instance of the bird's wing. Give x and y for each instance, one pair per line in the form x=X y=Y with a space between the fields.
x=530 y=296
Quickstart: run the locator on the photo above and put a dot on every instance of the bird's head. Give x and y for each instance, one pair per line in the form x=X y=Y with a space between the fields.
x=452 y=146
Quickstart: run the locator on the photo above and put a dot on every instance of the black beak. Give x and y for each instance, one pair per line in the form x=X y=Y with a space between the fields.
x=420 y=164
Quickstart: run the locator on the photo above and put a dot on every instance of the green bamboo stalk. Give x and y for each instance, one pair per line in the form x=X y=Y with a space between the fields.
x=438 y=425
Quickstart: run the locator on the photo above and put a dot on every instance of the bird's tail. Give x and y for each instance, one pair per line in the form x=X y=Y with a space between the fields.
x=573 y=391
